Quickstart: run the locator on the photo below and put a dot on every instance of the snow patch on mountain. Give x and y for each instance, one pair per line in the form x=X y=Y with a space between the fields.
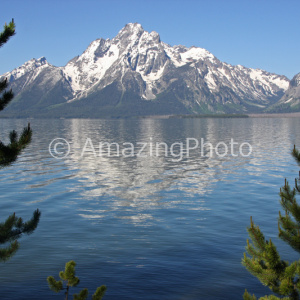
x=27 y=67
x=261 y=76
x=88 y=69
x=173 y=54
x=210 y=81
x=181 y=55
x=194 y=54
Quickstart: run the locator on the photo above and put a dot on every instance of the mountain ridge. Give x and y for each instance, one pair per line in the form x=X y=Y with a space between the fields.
x=135 y=73
x=290 y=101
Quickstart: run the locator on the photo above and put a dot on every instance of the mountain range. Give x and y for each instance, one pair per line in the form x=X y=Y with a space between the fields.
x=136 y=74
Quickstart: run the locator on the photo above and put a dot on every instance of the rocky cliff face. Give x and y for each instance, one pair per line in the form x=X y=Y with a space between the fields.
x=135 y=73
x=291 y=99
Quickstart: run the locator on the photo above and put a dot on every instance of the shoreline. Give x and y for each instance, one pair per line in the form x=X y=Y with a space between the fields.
x=276 y=115
x=192 y=116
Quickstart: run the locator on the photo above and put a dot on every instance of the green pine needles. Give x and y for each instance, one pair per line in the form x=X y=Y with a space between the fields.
x=8 y=31
x=5 y=35
x=68 y=276
x=10 y=152
x=265 y=263
x=12 y=229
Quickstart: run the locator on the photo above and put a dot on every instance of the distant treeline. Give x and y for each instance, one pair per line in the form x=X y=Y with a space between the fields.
x=211 y=116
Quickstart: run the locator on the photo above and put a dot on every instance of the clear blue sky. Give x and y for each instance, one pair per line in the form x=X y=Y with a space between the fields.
x=258 y=33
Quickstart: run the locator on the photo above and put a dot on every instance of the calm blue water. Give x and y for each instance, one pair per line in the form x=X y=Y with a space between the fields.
x=149 y=227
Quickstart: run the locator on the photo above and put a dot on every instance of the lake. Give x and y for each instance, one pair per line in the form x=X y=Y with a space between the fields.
x=152 y=208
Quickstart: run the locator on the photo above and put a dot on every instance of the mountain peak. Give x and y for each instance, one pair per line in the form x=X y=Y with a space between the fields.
x=27 y=67
x=40 y=61
x=133 y=30
x=296 y=80
x=136 y=66
x=134 y=27
x=34 y=63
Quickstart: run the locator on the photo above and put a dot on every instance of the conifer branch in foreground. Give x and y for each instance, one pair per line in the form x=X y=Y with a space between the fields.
x=68 y=276
x=282 y=277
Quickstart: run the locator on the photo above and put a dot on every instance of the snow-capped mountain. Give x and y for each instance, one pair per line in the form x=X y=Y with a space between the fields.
x=135 y=73
x=291 y=99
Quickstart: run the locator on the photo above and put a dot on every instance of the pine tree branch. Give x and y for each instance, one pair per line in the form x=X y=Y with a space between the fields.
x=98 y=295
x=68 y=275
x=8 y=31
x=9 y=153
x=297 y=187
x=8 y=252
x=266 y=264
x=82 y=295
x=247 y=296
x=3 y=84
x=296 y=154
x=280 y=276
x=256 y=236
x=14 y=227
x=5 y=99
x=55 y=286
x=289 y=225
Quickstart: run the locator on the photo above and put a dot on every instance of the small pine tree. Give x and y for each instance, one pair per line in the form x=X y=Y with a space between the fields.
x=265 y=263
x=14 y=227
x=71 y=280
x=10 y=152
